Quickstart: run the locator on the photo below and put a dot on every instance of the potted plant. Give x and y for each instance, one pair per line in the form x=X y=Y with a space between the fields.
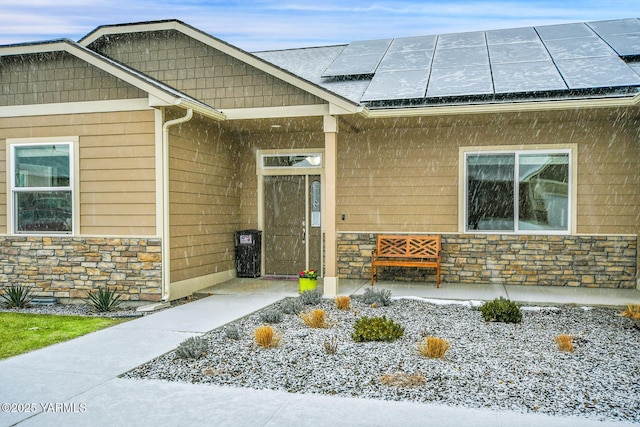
x=308 y=280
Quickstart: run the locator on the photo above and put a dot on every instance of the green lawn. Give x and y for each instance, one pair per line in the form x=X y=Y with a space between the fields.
x=23 y=332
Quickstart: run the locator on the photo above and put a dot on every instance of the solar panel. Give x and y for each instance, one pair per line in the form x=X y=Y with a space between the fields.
x=618 y=26
x=460 y=81
x=406 y=60
x=587 y=73
x=447 y=41
x=460 y=57
x=583 y=47
x=358 y=58
x=563 y=31
x=512 y=35
x=412 y=44
x=397 y=85
x=518 y=52
x=527 y=77
x=624 y=44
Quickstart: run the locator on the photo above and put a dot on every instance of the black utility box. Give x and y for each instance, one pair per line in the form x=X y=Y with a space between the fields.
x=248 y=250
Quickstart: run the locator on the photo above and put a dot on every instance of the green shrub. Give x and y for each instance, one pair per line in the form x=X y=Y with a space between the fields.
x=16 y=296
x=376 y=329
x=271 y=316
x=379 y=297
x=105 y=300
x=311 y=297
x=501 y=310
x=192 y=348
x=291 y=306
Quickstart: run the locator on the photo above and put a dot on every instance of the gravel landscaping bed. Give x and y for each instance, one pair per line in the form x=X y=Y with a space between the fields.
x=488 y=365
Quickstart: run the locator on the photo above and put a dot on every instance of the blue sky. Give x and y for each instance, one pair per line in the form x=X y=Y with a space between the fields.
x=280 y=24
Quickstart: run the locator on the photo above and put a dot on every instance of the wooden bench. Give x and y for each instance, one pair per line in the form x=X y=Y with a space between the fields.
x=406 y=251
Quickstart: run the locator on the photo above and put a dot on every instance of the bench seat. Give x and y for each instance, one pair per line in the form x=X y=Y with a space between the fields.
x=406 y=251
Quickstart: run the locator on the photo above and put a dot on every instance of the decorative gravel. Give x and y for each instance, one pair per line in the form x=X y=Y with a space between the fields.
x=73 y=310
x=488 y=365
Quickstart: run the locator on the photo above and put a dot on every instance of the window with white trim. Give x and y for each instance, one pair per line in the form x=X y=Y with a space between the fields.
x=41 y=188
x=518 y=191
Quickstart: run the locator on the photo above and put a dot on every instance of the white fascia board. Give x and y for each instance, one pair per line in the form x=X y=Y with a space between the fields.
x=506 y=108
x=32 y=110
x=277 y=112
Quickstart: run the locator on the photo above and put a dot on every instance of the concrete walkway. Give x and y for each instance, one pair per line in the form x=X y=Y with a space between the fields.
x=76 y=383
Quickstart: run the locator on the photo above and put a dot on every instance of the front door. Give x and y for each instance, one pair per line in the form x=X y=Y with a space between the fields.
x=292 y=236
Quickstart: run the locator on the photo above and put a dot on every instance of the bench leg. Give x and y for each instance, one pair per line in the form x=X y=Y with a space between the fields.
x=373 y=274
x=438 y=278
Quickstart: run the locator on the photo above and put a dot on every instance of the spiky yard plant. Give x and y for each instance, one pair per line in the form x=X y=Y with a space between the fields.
x=312 y=297
x=377 y=297
x=105 y=300
x=232 y=332
x=291 y=306
x=565 y=342
x=266 y=336
x=343 y=302
x=192 y=348
x=16 y=296
x=433 y=347
x=632 y=311
x=271 y=316
x=315 y=319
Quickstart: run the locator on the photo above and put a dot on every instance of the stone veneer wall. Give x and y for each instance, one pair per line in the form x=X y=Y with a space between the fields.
x=586 y=261
x=69 y=267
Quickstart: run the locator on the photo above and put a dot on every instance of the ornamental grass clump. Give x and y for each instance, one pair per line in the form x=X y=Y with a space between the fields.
x=315 y=319
x=403 y=380
x=291 y=306
x=267 y=337
x=433 y=347
x=565 y=343
x=271 y=316
x=501 y=310
x=632 y=311
x=376 y=329
x=16 y=296
x=343 y=302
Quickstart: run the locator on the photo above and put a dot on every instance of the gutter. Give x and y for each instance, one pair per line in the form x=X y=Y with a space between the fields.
x=166 y=256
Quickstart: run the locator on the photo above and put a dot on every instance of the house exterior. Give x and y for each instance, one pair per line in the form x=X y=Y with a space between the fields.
x=133 y=155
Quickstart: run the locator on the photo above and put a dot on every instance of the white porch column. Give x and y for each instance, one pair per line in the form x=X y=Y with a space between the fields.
x=330 y=171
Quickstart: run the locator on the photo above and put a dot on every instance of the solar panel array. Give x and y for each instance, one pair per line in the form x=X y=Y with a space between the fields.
x=499 y=62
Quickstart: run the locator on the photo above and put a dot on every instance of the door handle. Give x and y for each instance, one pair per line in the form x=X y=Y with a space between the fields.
x=304 y=232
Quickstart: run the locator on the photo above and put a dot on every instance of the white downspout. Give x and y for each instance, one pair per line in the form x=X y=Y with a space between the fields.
x=166 y=270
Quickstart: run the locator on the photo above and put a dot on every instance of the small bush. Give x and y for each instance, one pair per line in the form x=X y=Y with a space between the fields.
x=232 y=332
x=267 y=337
x=16 y=296
x=192 y=348
x=565 y=342
x=105 y=300
x=433 y=347
x=331 y=345
x=343 y=302
x=376 y=329
x=501 y=310
x=311 y=297
x=271 y=316
x=315 y=319
x=632 y=311
x=377 y=297
x=291 y=306
x=404 y=380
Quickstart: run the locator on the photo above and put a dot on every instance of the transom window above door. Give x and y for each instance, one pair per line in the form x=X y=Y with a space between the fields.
x=518 y=191
x=305 y=160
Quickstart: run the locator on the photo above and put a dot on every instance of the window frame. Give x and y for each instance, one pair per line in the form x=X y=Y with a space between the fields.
x=517 y=151
x=12 y=145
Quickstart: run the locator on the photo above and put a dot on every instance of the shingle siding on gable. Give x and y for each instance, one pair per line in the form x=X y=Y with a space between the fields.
x=201 y=71
x=58 y=77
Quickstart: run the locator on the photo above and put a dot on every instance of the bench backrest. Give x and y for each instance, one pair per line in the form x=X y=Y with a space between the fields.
x=402 y=246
